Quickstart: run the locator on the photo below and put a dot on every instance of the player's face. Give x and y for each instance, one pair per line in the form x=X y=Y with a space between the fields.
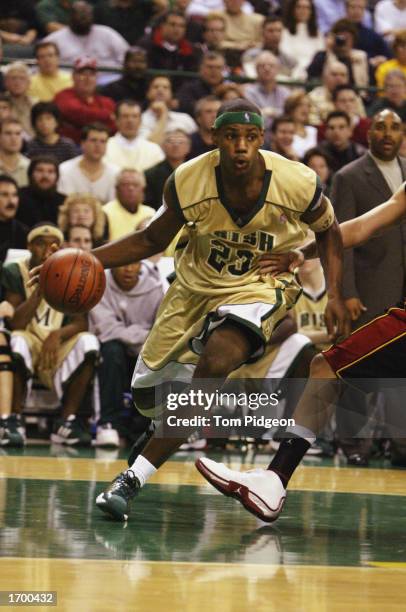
x=238 y=144
x=126 y=277
x=44 y=176
x=81 y=214
x=80 y=238
x=94 y=147
x=8 y=201
x=41 y=249
x=386 y=135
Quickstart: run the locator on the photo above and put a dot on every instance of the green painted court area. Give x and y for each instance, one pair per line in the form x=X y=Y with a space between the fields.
x=327 y=539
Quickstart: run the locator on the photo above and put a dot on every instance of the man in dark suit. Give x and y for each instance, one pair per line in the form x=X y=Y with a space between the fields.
x=374 y=272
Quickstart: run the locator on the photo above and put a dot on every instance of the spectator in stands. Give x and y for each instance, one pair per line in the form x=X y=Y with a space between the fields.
x=127 y=17
x=272 y=29
x=88 y=173
x=133 y=84
x=62 y=355
x=158 y=118
x=83 y=209
x=374 y=45
x=318 y=161
x=80 y=105
x=126 y=211
x=340 y=47
x=399 y=61
x=12 y=162
x=301 y=37
x=53 y=15
x=297 y=106
x=13 y=233
x=282 y=135
x=45 y=121
x=17 y=82
x=345 y=99
x=79 y=237
x=19 y=28
x=126 y=148
x=205 y=112
x=40 y=200
x=321 y=97
x=337 y=144
x=390 y=16
x=176 y=146
x=122 y=321
x=243 y=30
x=211 y=75
x=266 y=93
x=49 y=79
x=167 y=48
x=394 y=95
x=82 y=37
x=213 y=33
x=5 y=107
x=229 y=91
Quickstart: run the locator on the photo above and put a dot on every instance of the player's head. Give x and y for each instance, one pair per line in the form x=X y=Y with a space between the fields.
x=238 y=131
x=41 y=241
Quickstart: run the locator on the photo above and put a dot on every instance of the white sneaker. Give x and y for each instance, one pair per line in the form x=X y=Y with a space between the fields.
x=260 y=491
x=107 y=436
x=193 y=443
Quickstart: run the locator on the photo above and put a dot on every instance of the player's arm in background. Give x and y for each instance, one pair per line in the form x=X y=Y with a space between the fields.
x=354 y=232
x=321 y=219
x=149 y=241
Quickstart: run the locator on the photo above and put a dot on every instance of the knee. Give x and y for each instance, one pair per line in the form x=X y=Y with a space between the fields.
x=113 y=352
x=216 y=365
x=319 y=368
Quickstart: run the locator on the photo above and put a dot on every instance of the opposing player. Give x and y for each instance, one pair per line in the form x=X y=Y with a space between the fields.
x=375 y=350
x=235 y=203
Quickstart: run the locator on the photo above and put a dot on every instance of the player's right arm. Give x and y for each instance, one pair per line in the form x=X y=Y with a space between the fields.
x=147 y=242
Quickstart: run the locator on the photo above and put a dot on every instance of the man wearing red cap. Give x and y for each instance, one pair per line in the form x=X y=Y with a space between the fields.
x=80 y=105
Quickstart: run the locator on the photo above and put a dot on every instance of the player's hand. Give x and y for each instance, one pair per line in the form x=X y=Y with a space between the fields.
x=337 y=319
x=49 y=353
x=355 y=307
x=6 y=310
x=270 y=263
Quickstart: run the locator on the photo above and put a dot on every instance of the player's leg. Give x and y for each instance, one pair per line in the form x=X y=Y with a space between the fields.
x=263 y=492
x=72 y=380
x=9 y=435
x=227 y=347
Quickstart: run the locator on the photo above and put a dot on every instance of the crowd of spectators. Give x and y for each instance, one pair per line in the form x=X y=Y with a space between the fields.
x=93 y=125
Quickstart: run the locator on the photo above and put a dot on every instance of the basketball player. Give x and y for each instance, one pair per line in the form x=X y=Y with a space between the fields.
x=375 y=350
x=236 y=203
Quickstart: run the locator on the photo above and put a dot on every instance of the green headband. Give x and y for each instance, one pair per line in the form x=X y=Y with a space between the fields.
x=239 y=117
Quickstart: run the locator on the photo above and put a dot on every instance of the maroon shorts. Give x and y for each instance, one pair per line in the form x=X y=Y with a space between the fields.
x=375 y=350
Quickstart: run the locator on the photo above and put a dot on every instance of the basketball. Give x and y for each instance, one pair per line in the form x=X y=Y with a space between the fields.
x=72 y=281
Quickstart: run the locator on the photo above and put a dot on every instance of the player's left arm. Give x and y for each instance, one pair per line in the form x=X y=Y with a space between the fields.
x=321 y=219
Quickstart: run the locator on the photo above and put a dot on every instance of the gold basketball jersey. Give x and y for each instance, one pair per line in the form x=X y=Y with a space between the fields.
x=309 y=313
x=221 y=247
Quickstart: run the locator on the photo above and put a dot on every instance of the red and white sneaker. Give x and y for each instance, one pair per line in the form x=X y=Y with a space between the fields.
x=260 y=491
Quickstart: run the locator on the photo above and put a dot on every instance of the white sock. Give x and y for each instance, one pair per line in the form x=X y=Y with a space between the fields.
x=142 y=469
x=302 y=432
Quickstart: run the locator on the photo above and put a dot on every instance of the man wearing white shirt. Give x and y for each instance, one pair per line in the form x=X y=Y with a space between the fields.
x=83 y=37
x=158 y=118
x=390 y=16
x=126 y=148
x=88 y=173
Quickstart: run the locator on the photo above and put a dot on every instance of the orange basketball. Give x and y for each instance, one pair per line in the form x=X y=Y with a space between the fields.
x=72 y=281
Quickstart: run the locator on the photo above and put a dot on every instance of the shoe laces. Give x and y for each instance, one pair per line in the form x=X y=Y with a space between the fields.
x=125 y=483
